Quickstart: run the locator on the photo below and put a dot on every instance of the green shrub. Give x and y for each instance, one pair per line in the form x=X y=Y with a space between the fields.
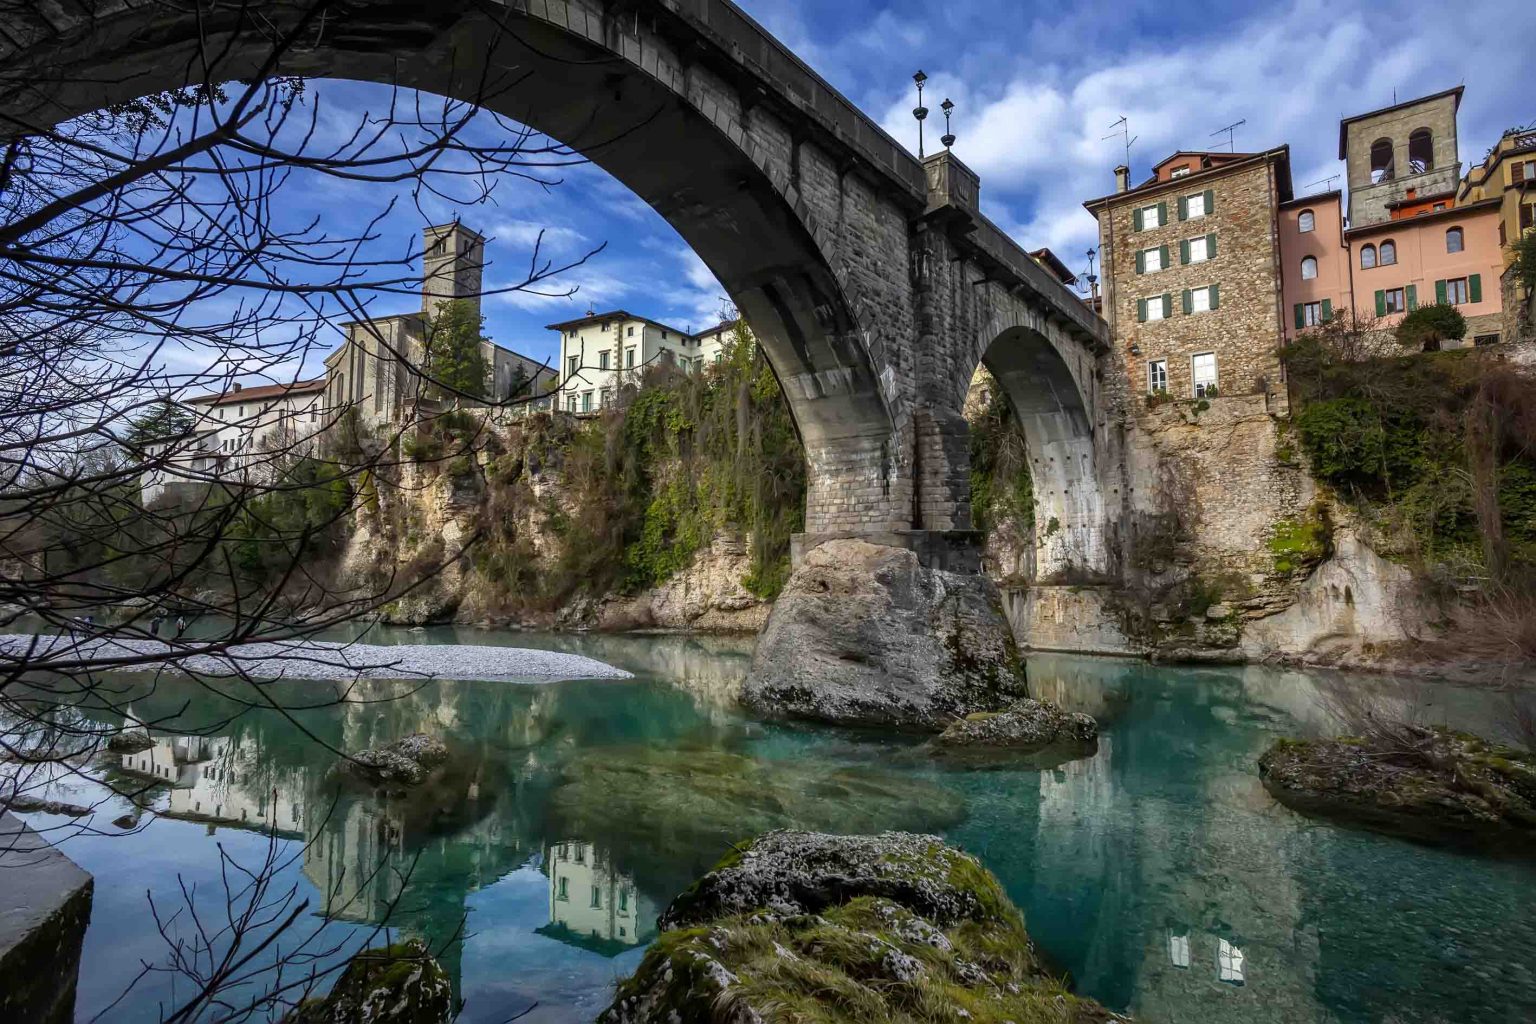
x=1428 y=327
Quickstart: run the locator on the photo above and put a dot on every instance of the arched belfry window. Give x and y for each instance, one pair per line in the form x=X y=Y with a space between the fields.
x=1308 y=268
x=1421 y=151
x=1367 y=257
x=1388 y=253
x=1306 y=221
x=1381 y=161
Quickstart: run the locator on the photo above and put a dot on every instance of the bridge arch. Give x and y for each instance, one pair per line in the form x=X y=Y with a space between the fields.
x=1048 y=380
x=779 y=185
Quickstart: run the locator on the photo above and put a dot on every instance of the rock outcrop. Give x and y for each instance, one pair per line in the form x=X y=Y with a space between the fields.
x=1434 y=785
x=398 y=984
x=800 y=925
x=1026 y=727
x=405 y=762
x=865 y=634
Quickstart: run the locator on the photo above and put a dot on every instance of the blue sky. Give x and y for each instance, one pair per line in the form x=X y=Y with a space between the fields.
x=1037 y=86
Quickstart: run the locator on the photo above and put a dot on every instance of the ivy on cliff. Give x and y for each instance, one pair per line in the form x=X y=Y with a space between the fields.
x=1002 y=491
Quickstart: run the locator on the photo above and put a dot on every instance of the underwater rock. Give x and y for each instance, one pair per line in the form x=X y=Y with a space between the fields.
x=398 y=984
x=674 y=811
x=865 y=634
x=801 y=925
x=1433 y=785
x=1024 y=728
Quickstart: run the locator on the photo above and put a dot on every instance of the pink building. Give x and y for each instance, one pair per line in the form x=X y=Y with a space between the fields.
x=1315 y=275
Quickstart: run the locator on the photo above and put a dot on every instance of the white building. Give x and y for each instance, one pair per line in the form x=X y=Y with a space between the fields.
x=591 y=903
x=603 y=352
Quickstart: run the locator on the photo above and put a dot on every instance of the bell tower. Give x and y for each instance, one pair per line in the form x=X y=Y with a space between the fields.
x=451 y=266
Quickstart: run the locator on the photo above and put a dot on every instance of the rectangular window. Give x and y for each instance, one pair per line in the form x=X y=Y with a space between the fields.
x=1153 y=308
x=631 y=330
x=1456 y=291
x=1396 y=302
x=602 y=360
x=1157 y=377
x=1312 y=314
x=564 y=890
x=1179 y=172
x=623 y=901
x=1151 y=217
x=1151 y=259
x=570 y=403
x=586 y=406
x=597 y=896
x=1199 y=252
x=629 y=358
x=604 y=328
x=605 y=399
x=572 y=364
x=1195 y=205
x=1199 y=300
x=1202 y=368
x=1178 y=951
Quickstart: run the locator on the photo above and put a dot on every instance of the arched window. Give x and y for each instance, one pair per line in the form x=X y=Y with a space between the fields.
x=1367 y=257
x=1421 y=151
x=1308 y=268
x=1306 y=221
x=1381 y=161
x=1388 y=254
x=1454 y=241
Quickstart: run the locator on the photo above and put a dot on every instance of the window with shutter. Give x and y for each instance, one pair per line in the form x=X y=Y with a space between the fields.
x=1440 y=292
x=1210 y=246
x=1141 y=262
x=1516 y=173
x=1327 y=310
x=1162 y=214
x=1381 y=303
x=1183 y=208
x=1475 y=287
x=1413 y=297
x=1215 y=296
x=1141 y=311
x=1137 y=221
x=1188 y=303
x=1162 y=256
x=1184 y=251
x=1167 y=304
x=1301 y=315
x=1210 y=202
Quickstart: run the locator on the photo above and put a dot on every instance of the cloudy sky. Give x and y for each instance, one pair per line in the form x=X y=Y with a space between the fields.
x=1037 y=87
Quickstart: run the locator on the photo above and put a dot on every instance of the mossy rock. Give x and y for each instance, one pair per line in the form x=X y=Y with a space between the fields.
x=1029 y=729
x=398 y=984
x=1450 y=787
x=806 y=927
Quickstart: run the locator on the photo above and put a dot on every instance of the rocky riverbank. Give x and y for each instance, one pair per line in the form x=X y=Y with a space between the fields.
x=800 y=925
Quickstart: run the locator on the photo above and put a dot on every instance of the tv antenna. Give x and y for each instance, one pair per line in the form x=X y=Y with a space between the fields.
x=1231 y=131
x=1122 y=128
x=1327 y=183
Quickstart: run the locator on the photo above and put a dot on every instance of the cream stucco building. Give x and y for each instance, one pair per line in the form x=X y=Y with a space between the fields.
x=602 y=353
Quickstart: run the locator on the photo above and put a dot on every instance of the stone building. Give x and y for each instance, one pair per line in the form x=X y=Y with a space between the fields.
x=377 y=370
x=1409 y=147
x=1192 y=274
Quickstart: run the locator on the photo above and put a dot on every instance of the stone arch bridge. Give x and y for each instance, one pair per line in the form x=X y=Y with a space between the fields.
x=874 y=283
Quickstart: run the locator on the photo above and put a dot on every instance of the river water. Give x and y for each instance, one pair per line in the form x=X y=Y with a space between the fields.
x=1158 y=872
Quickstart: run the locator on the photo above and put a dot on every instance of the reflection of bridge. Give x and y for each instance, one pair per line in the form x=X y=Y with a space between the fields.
x=871 y=278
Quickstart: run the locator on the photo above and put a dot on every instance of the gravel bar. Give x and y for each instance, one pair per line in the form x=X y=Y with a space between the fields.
x=312 y=659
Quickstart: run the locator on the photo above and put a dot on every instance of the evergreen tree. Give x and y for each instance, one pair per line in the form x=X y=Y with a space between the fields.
x=164 y=420
x=454 y=359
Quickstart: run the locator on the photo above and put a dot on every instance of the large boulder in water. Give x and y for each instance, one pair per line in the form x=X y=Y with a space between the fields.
x=1433 y=785
x=805 y=926
x=405 y=762
x=398 y=984
x=1027 y=727
x=866 y=634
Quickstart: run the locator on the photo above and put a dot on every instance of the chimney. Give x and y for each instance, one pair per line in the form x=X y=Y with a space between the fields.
x=235 y=387
x=1122 y=178
x=453 y=259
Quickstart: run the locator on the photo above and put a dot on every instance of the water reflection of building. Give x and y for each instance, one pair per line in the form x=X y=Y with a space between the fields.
x=591 y=903
x=220 y=780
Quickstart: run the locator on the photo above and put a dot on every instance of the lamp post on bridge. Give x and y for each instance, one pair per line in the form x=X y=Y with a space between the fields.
x=920 y=112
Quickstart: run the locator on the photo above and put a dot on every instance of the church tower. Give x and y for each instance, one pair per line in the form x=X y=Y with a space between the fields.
x=451 y=267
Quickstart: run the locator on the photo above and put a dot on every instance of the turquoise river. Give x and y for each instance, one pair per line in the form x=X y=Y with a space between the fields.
x=1158 y=873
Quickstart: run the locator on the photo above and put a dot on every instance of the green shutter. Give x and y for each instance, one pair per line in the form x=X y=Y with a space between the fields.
x=1210 y=202
x=1412 y=294
x=1141 y=261
x=1162 y=256
x=1189 y=302
x=1381 y=303
x=1183 y=251
x=1327 y=310
x=1162 y=213
x=1210 y=246
x=1440 y=292
x=1136 y=219
x=1215 y=296
x=1301 y=316
x=1141 y=311
x=1167 y=305
x=1183 y=208
x=1475 y=287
